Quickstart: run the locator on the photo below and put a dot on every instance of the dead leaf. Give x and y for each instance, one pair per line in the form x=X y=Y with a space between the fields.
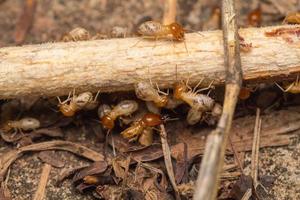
x=95 y=168
x=66 y=173
x=7 y=159
x=241 y=186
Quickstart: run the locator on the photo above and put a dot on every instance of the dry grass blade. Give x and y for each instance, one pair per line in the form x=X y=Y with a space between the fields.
x=209 y=175
x=255 y=154
x=255 y=148
x=7 y=159
x=40 y=192
x=168 y=159
x=169 y=11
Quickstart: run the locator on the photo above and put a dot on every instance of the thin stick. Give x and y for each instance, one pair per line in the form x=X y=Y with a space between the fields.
x=235 y=153
x=40 y=192
x=255 y=148
x=169 y=11
x=254 y=155
x=212 y=163
x=168 y=160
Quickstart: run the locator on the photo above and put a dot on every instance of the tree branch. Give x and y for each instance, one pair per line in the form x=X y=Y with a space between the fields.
x=54 y=69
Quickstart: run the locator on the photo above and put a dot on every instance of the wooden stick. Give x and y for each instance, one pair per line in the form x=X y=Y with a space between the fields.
x=212 y=162
x=40 y=192
x=54 y=69
x=169 y=11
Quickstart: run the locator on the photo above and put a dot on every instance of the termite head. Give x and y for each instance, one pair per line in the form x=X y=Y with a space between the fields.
x=162 y=102
x=107 y=122
x=177 y=31
x=68 y=110
x=103 y=110
x=7 y=126
x=29 y=123
x=179 y=88
x=244 y=93
x=151 y=119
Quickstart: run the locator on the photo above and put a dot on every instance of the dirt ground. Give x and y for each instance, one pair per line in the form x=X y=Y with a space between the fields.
x=54 y=18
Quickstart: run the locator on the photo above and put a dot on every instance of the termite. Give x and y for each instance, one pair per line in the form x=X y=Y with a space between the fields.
x=194 y=116
x=71 y=105
x=91 y=103
x=25 y=124
x=145 y=91
x=137 y=127
x=293 y=88
x=124 y=108
x=193 y=98
x=156 y=30
x=292 y=18
x=77 y=34
x=245 y=92
x=254 y=17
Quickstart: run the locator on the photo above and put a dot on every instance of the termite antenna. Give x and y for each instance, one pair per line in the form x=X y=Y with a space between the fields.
x=97 y=94
x=166 y=118
x=198 y=84
x=209 y=87
x=187 y=82
x=59 y=101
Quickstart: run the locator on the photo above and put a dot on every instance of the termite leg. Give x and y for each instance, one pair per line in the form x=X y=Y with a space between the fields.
x=155 y=42
x=159 y=91
x=186 y=47
x=96 y=95
x=287 y=89
x=65 y=101
x=198 y=84
x=207 y=88
x=15 y=132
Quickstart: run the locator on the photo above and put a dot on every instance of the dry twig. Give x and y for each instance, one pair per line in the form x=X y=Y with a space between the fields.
x=169 y=11
x=208 y=178
x=40 y=192
x=54 y=69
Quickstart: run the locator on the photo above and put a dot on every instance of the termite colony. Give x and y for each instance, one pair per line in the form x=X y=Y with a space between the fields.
x=136 y=118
